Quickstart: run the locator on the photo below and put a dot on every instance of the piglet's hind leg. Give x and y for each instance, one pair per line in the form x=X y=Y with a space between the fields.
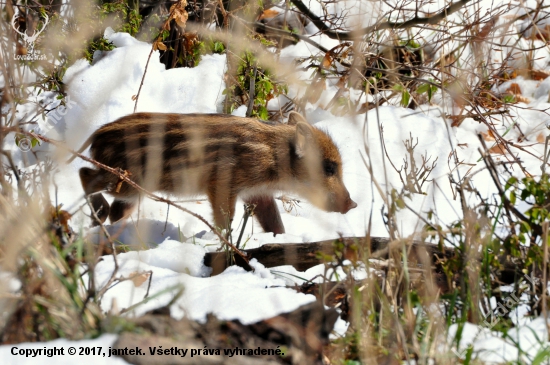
x=121 y=209
x=92 y=182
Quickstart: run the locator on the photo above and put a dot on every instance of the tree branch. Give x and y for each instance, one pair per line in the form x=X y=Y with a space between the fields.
x=434 y=19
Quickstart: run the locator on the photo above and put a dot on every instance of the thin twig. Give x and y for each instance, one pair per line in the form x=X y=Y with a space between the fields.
x=113 y=249
x=252 y=91
x=143 y=78
x=494 y=175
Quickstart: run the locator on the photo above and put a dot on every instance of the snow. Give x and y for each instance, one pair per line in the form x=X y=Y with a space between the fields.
x=521 y=344
x=178 y=266
x=171 y=244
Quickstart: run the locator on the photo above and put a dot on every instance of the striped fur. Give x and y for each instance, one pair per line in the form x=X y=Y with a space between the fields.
x=218 y=155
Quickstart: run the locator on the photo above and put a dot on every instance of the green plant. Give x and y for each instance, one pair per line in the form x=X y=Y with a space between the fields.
x=265 y=87
x=52 y=300
x=427 y=88
x=100 y=44
x=193 y=50
x=214 y=46
x=405 y=95
x=129 y=18
x=126 y=18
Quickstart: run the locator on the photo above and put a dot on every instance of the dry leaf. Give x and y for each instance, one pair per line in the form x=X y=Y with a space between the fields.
x=269 y=13
x=338 y=51
x=488 y=136
x=327 y=60
x=61 y=215
x=484 y=32
x=179 y=14
x=342 y=82
x=541 y=137
x=190 y=39
x=21 y=50
x=158 y=45
x=315 y=90
x=139 y=278
x=514 y=89
x=497 y=149
x=456 y=120
x=541 y=33
x=539 y=75
x=181 y=18
x=522 y=99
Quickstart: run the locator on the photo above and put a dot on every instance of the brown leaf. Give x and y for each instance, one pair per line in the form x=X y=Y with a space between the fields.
x=179 y=14
x=539 y=75
x=456 y=120
x=488 y=136
x=61 y=215
x=484 y=32
x=541 y=33
x=327 y=60
x=21 y=50
x=541 y=137
x=269 y=13
x=514 y=89
x=181 y=18
x=342 y=81
x=497 y=149
x=522 y=99
x=159 y=46
x=190 y=40
x=315 y=90
x=338 y=51
x=139 y=278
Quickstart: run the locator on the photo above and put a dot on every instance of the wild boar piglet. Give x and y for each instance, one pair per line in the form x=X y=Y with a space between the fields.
x=221 y=156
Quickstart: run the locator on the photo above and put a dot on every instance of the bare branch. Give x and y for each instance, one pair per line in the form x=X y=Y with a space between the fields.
x=434 y=19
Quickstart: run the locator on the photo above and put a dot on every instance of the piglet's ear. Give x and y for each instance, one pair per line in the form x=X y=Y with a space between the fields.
x=294 y=118
x=304 y=138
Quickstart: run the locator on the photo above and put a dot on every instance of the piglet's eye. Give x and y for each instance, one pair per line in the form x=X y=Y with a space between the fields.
x=330 y=167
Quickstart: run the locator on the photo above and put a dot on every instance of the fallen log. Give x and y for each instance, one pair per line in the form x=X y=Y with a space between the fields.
x=303 y=256
x=297 y=337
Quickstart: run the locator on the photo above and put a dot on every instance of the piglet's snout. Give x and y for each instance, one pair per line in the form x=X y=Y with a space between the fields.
x=350 y=204
x=344 y=204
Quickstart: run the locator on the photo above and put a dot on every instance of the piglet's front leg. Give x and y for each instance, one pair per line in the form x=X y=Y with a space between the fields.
x=223 y=207
x=267 y=213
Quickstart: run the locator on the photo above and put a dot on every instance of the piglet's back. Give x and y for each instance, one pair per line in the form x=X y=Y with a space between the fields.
x=185 y=153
